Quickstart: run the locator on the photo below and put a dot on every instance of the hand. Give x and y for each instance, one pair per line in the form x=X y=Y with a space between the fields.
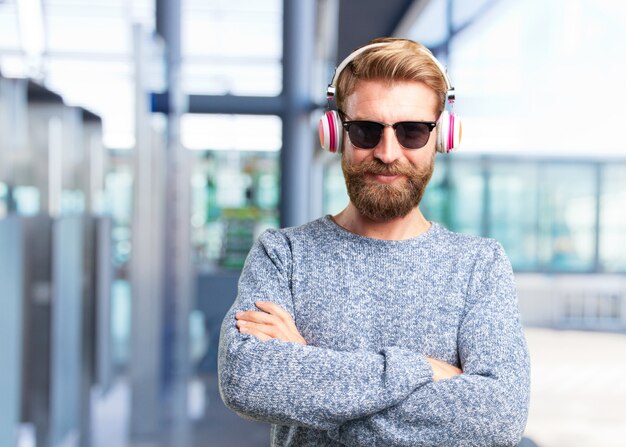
x=443 y=370
x=272 y=322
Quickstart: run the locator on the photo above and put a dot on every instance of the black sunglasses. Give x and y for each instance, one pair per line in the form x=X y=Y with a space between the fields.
x=367 y=134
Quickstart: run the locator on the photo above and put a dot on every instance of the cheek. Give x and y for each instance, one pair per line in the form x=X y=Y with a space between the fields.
x=422 y=157
x=348 y=153
x=352 y=155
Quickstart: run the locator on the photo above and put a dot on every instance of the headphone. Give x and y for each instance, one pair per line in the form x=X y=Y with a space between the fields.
x=330 y=125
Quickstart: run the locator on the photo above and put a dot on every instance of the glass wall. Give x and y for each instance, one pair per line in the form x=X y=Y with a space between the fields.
x=335 y=194
x=550 y=216
x=567 y=217
x=235 y=198
x=513 y=210
x=465 y=185
x=612 y=234
x=4 y=200
x=119 y=198
x=232 y=47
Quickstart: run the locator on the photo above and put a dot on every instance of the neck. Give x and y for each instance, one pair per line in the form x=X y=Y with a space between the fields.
x=407 y=227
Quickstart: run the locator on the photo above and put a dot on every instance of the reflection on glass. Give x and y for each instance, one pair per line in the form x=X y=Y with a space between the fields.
x=567 y=204
x=235 y=198
x=251 y=78
x=72 y=201
x=513 y=189
x=466 y=185
x=335 y=194
x=231 y=132
x=434 y=203
x=27 y=200
x=4 y=200
x=218 y=58
x=119 y=193
x=613 y=219
x=121 y=307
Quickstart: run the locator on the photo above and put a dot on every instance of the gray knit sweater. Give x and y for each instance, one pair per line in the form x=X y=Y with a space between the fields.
x=371 y=312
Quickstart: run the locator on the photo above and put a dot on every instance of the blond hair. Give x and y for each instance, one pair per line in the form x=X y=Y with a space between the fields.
x=397 y=60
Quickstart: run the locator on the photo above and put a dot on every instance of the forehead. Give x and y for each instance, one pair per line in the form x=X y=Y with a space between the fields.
x=383 y=100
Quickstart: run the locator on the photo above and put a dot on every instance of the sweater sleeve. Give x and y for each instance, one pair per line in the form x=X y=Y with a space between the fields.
x=291 y=384
x=487 y=405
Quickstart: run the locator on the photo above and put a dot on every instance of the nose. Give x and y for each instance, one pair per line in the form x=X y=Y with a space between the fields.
x=388 y=149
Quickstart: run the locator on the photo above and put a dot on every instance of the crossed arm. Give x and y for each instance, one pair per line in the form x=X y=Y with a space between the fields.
x=274 y=322
x=393 y=397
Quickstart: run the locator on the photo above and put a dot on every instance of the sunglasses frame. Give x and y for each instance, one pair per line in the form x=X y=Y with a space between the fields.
x=346 y=125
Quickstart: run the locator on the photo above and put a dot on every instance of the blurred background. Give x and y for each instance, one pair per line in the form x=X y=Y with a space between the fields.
x=145 y=144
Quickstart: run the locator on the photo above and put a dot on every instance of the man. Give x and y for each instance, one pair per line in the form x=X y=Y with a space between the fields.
x=376 y=327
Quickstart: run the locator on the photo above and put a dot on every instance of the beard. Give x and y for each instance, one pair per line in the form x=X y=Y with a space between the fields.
x=382 y=202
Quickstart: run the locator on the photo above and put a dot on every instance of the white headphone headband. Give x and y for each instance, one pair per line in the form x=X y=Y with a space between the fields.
x=330 y=91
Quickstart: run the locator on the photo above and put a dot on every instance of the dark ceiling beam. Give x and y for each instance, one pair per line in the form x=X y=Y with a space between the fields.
x=363 y=20
x=410 y=17
x=39 y=93
x=245 y=105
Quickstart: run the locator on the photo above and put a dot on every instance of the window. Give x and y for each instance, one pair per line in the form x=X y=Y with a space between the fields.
x=613 y=218
x=567 y=217
x=232 y=47
x=513 y=194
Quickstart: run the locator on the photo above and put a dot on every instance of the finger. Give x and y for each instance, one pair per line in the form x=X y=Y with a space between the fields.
x=275 y=309
x=256 y=317
x=279 y=326
x=269 y=330
x=287 y=325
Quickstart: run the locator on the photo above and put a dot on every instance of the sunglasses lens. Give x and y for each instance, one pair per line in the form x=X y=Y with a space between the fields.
x=367 y=134
x=412 y=135
x=364 y=134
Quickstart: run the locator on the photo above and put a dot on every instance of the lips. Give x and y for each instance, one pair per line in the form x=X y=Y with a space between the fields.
x=384 y=178
x=390 y=170
x=382 y=172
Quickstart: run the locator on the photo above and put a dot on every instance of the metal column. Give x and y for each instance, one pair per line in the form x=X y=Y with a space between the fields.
x=146 y=261
x=297 y=155
x=177 y=268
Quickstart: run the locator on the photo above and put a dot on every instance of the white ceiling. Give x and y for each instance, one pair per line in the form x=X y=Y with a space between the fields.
x=231 y=46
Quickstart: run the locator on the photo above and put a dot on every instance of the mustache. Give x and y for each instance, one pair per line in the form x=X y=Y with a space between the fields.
x=377 y=167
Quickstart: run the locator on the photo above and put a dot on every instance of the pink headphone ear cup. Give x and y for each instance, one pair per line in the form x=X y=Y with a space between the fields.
x=458 y=132
x=330 y=131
